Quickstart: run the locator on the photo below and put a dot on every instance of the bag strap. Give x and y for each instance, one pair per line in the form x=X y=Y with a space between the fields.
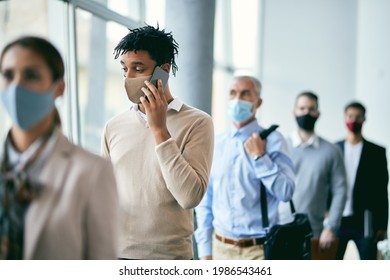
x=264 y=206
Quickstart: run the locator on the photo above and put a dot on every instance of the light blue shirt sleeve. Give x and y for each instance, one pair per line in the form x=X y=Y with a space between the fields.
x=204 y=218
x=275 y=169
x=231 y=205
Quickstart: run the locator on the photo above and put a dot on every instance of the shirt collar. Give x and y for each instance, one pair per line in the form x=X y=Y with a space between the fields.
x=18 y=160
x=175 y=104
x=297 y=141
x=247 y=130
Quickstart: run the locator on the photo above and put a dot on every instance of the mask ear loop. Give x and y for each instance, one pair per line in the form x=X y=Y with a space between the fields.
x=57 y=118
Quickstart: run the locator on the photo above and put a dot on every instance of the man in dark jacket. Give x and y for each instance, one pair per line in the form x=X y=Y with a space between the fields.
x=365 y=215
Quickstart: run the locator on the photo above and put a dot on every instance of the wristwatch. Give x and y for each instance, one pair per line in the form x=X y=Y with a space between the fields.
x=257 y=156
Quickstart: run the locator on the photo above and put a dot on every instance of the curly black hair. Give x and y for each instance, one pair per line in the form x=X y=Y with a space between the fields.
x=159 y=44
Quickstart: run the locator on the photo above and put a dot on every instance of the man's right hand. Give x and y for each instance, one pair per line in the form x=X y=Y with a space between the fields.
x=327 y=238
x=255 y=145
x=156 y=111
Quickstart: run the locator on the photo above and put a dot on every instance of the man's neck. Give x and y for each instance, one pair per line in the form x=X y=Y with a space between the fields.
x=353 y=138
x=168 y=97
x=305 y=135
x=22 y=139
x=241 y=125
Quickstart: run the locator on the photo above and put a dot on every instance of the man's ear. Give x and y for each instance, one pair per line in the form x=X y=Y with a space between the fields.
x=166 y=67
x=259 y=102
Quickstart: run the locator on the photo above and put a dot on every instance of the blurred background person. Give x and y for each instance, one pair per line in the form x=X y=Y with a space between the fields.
x=319 y=171
x=57 y=201
x=365 y=215
x=230 y=224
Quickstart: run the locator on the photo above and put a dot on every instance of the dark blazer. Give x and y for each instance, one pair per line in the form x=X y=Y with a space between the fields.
x=370 y=189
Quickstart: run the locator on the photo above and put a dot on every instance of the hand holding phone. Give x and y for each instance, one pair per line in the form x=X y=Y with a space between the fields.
x=159 y=74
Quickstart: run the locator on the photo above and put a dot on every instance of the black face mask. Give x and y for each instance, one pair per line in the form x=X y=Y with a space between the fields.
x=306 y=122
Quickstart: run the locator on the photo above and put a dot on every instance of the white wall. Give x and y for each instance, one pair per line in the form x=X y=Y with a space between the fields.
x=373 y=67
x=309 y=45
x=338 y=49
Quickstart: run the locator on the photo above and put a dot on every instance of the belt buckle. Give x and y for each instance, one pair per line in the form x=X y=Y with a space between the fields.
x=237 y=242
x=247 y=242
x=241 y=242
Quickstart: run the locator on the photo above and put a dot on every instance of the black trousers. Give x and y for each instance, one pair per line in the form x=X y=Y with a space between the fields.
x=367 y=246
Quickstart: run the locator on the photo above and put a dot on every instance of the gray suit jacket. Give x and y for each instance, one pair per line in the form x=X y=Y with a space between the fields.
x=76 y=215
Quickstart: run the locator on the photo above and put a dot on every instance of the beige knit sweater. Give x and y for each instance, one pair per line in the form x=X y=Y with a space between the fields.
x=159 y=185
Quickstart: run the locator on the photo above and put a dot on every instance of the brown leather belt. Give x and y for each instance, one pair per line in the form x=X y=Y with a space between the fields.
x=247 y=242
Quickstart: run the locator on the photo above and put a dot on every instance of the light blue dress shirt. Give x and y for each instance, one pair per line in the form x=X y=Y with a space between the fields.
x=231 y=205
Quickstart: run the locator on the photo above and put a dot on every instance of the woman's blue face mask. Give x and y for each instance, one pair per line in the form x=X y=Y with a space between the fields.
x=27 y=107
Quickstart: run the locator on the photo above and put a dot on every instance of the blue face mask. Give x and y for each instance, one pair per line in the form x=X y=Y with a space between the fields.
x=239 y=110
x=26 y=107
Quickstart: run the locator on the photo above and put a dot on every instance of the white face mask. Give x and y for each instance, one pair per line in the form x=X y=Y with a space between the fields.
x=134 y=87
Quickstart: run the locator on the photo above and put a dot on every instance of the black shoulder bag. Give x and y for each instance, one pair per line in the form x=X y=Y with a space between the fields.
x=288 y=241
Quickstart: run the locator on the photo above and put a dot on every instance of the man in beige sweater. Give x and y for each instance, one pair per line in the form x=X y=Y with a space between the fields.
x=161 y=150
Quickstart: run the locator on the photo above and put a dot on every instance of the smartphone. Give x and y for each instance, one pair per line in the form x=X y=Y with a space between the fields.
x=159 y=74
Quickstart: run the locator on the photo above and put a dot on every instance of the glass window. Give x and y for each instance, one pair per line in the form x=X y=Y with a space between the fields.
x=244 y=33
x=236 y=47
x=101 y=92
x=132 y=9
x=13 y=25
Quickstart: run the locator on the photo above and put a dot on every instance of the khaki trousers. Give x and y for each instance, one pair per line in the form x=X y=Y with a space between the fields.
x=223 y=251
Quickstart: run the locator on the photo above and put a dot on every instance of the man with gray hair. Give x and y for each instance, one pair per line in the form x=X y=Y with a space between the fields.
x=229 y=217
